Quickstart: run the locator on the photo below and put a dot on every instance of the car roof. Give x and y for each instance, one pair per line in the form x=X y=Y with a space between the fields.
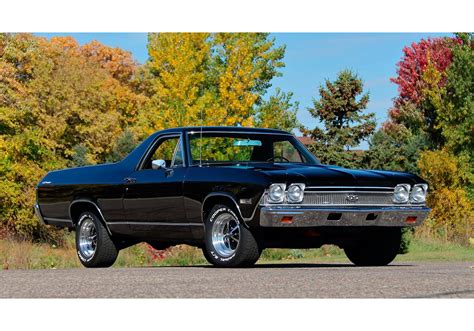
x=223 y=129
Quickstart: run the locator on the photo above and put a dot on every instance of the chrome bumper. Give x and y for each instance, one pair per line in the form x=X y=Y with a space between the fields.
x=38 y=214
x=307 y=217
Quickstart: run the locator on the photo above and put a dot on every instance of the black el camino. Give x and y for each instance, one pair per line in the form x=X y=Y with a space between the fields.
x=233 y=192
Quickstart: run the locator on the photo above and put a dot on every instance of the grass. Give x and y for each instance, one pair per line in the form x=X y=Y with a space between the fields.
x=27 y=255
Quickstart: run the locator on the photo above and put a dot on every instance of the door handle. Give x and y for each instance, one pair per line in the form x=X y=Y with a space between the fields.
x=129 y=180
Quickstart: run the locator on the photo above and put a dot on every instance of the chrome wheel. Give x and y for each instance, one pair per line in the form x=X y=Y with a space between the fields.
x=226 y=234
x=87 y=238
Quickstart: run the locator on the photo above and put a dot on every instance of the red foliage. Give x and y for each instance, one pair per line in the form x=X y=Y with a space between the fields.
x=415 y=60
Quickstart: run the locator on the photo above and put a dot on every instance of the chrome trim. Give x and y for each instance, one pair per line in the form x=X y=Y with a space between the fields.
x=225 y=234
x=245 y=219
x=145 y=155
x=154 y=223
x=59 y=222
x=312 y=217
x=38 y=214
x=87 y=238
x=97 y=208
x=241 y=132
x=339 y=198
x=352 y=187
x=175 y=152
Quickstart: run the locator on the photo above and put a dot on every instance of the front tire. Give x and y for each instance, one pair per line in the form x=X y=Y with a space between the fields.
x=228 y=243
x=378 y=249
x=94 y=246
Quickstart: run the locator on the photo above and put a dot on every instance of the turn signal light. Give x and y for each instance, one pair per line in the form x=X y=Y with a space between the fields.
x=410 y=219
x=287 y=219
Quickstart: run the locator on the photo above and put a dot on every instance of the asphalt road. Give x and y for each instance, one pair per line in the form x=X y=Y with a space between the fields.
x=401 y=280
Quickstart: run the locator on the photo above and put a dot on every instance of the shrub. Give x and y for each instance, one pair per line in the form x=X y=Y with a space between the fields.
x=452 y=216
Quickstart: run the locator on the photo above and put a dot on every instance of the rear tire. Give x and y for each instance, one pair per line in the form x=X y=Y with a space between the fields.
x=379 y=249
x=94 y=246
x=228 y=243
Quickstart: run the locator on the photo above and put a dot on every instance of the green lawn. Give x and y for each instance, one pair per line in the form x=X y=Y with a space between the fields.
x=419 y=251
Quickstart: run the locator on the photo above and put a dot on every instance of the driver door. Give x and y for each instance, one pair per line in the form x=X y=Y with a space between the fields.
x=153 y=200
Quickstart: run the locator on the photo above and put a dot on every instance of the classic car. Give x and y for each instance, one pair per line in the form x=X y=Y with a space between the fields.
x=231 y=191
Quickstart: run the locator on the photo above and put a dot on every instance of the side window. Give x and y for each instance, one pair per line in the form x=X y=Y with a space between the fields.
x=178 y=155
x=169 y=150
x=284 y=151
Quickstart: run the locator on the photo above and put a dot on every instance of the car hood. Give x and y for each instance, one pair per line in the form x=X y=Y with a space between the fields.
x=324 y=175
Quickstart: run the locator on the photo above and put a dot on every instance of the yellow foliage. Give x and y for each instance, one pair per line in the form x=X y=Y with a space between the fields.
x=440 y=169
x=452 y=215
x=55 y=95
x=208 y=79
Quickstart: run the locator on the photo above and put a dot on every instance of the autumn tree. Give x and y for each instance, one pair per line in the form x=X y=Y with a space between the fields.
x=340 y=110
x=456 y=111
x=176 y=74
x=434 y=113
x=452 y=214
x=421 y=72
x=59 y=106
x=209 y=79
x=278 y=112
x=413 y=121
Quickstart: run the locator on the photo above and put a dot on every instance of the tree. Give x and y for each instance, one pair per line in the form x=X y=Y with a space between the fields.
x=242 y=66
x=177 y=81
x=209 y=79
x=452 y=214
x=58 y=106
x=421 y=77
x=456 y=111
x=431 y=125
x=413 y=124
x=124 y=144
x=278 y=112
x=340 y=109
x=394 y=149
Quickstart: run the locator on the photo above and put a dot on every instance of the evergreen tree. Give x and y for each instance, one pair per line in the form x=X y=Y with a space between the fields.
x=340 y=109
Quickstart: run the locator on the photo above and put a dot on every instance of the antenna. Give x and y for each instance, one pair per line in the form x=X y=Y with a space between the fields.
x=200 y=141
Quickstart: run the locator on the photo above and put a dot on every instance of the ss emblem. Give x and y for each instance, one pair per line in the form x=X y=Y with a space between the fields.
x=352 y=197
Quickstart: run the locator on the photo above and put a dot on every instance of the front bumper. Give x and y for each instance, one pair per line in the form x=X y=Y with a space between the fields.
x=38 y=214
x=310 y=217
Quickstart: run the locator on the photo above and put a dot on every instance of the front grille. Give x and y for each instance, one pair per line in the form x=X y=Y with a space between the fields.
x=354 y=197
x=348 y=198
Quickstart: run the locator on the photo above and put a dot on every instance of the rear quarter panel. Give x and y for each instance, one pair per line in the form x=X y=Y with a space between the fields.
x=102 y=184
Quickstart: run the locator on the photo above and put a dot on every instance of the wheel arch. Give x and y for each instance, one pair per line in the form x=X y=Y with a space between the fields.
x=79 y=205
x=215 y=198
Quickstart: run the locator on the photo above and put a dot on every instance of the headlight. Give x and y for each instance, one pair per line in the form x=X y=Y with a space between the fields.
x=418 y=193
x=401 y=193
x=276 y=193
x=295 y=193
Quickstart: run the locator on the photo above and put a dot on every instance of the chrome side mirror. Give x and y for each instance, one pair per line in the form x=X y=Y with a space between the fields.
x=158 y=164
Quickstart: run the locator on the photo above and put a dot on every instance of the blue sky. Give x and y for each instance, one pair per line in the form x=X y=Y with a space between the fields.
x=311 y=58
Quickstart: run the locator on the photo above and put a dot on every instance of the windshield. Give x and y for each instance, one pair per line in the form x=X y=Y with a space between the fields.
x=236 y=147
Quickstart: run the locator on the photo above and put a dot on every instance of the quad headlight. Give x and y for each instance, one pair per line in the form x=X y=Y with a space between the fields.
x=418 y=193
x=279 y=193
x=295 y=193
x=401 y=193
x=276 y=193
